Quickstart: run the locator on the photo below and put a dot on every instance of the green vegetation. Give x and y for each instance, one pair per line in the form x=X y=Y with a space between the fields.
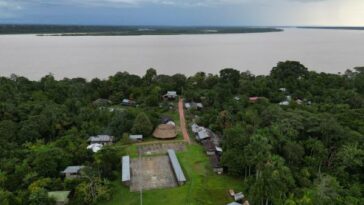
x=68 y=30
x=203 y=186
x=300 y=140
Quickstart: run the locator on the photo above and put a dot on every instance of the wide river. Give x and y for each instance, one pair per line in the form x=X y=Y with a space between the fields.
x=101 y=56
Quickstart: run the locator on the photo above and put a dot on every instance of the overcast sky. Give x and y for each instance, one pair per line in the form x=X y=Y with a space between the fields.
x=185 y=12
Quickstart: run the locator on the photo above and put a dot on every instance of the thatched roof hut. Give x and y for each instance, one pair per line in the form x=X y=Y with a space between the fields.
x=165 y=131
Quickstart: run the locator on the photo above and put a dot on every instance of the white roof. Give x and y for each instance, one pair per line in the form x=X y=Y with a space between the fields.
x=203 y=134
x=195 y=128
x=72 y=169
x=187 y=105
x=125 y=169
x=171 y=93
x=135 y=137
x=171 y=123
x=219 y=149
x=95 y=147
x=284 y=103
x=176 y=166
x=101 y=138
x=239 y=196
x=199 y=105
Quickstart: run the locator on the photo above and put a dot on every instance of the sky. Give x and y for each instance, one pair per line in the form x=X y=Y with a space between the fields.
x=185 y=12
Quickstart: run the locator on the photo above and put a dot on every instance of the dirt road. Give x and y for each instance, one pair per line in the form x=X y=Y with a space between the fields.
x=182 y=120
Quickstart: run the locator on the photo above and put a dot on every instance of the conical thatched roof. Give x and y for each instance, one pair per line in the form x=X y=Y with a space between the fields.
x=165 y=131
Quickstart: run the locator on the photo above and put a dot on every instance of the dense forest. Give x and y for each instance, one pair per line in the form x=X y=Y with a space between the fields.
x=89 y=30
x=291 y=137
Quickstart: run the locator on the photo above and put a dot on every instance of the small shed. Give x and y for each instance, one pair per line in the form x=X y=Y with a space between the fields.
x=101 y=139
x=125 y=170
x=61 y=197
x=72 y=172
x=181 y=179
x=136 y=138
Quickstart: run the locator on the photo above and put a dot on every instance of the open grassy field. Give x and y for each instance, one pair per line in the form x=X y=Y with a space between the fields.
x=203 y=187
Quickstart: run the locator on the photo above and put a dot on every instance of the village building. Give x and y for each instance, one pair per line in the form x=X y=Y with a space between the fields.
x=72 y=172
x=208 y=146
x=299 y=101
x=193 y=105
x=253 y=99
x=125 y=170
x=60 y=197
x=128 y=102
x=165 y=132
x=195 y=128
x=101 y=139
x=181 y=179
x=136 y=138
x=203 y=134
x=239 y=197
x=171 y=95
x=101 y=102
x=283 y=89
x=215 y=163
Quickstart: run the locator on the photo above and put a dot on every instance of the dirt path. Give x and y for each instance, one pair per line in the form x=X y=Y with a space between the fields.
x=182 y=120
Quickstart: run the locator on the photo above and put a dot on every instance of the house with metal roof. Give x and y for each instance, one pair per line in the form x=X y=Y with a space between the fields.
x=208 y=146
x=101 y=139
x=215 y=163
x=181 y=179
x=128 y=102
x=239 y=197
x=60 y=197
x=136 y=138
x=203 y=134
x=72 y=172
x=125 y=170
x=171 y=95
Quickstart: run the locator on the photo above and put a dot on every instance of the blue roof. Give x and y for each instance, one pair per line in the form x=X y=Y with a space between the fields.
x=125 y=169
x=176 y=166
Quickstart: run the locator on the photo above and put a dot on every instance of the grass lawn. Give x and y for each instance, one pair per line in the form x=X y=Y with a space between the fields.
x=203 y=187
